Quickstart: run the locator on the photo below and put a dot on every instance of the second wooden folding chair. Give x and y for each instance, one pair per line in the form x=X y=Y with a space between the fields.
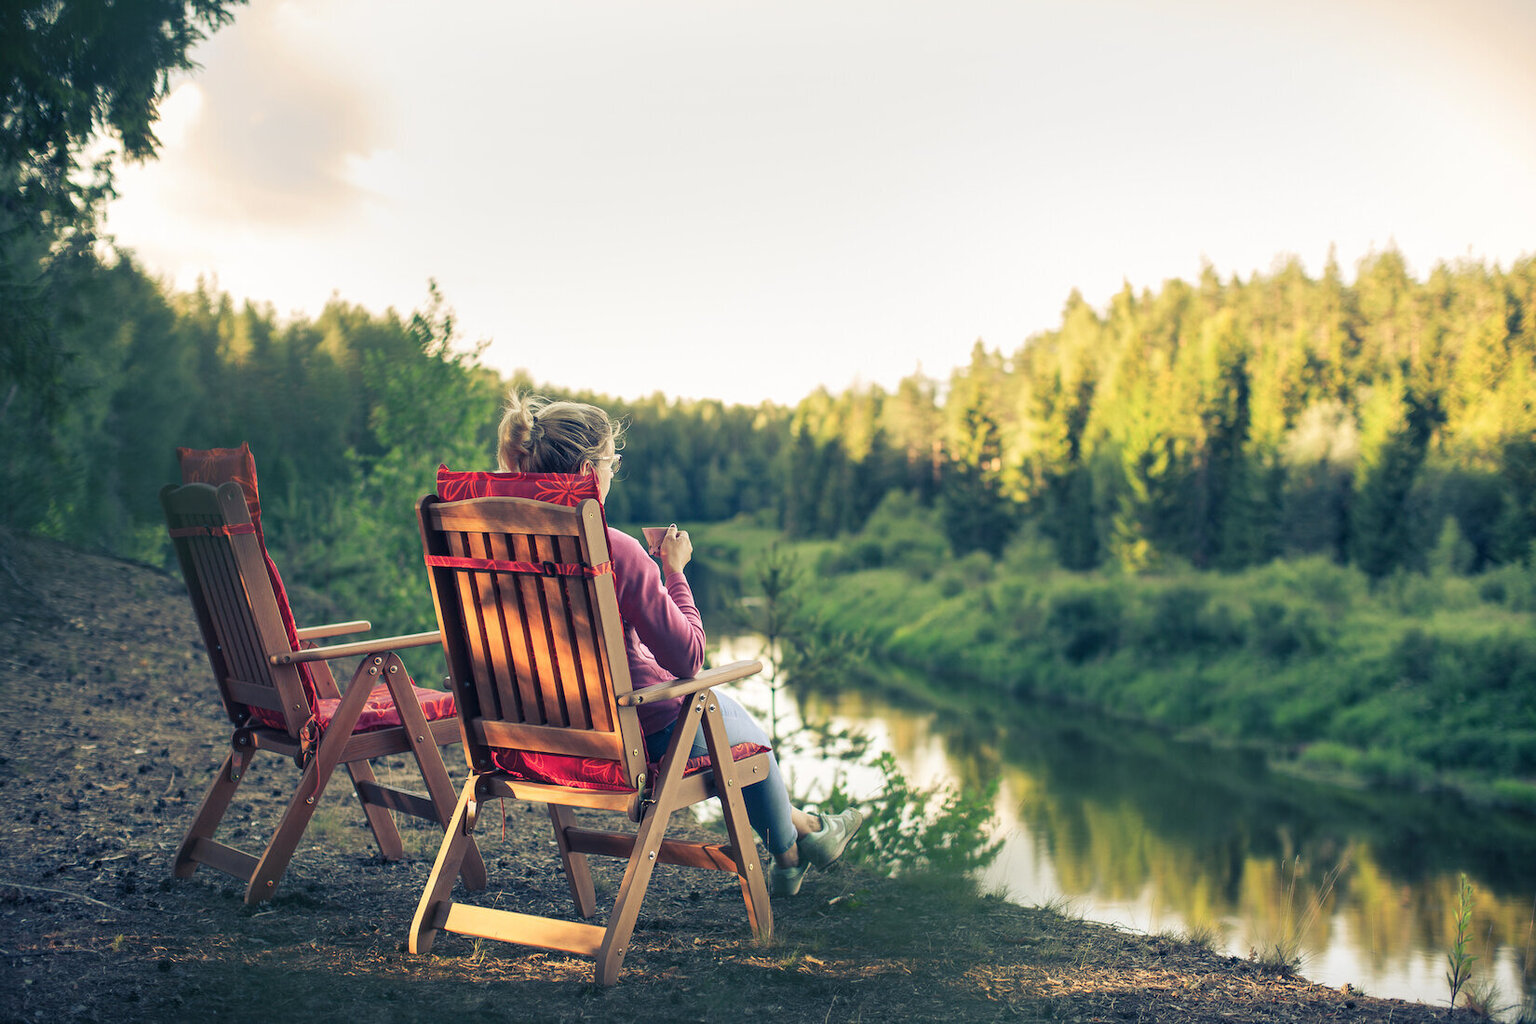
x=280 y=695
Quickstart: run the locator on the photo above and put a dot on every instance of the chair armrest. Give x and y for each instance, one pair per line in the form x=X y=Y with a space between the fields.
x=375 y=646
x=683 y=687
x=335 y=629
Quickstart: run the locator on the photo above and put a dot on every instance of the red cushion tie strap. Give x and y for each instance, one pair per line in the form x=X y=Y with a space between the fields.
x=522 y=568
x=213 y=531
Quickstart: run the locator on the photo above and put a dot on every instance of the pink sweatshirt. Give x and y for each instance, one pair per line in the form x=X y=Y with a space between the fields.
x=663 y=634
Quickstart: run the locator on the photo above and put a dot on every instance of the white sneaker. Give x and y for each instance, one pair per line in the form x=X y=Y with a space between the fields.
x=825 y=847
x=786 y=880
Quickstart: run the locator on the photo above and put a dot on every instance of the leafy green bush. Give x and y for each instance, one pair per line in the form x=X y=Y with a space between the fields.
x=900 y=532
x=817 y=653
x=939 y=829
x=1029 y=554
x=1329 y=756
x=1410 y=593
x=1392 y=768
x=1085 y=622
x=1514 y=793
x=1315 y=580
x=1281 y=631
x=1177 y=621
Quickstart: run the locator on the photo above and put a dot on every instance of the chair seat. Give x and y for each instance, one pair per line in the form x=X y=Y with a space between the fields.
x=380 y=711
x=593 y=772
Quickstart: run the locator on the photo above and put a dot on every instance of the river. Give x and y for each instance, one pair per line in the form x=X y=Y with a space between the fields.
x=1123 y=825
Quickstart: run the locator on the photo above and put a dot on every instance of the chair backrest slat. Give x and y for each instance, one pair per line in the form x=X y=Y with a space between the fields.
x=565 y=690
x=232 y=623
x=534 y=666
x=499 y=646
x=477 y=637
x=200 y=573
x=531 y=656
x=588 y=667
x=233 y=599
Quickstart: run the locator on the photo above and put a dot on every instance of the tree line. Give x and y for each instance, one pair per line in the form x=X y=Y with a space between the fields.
x=1221 y=424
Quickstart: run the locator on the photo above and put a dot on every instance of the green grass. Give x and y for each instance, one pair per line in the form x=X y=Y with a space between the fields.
x=1422 y=680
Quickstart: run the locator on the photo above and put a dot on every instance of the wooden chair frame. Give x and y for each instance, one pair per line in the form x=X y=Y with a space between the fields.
x=535 y=649
x=256 y=666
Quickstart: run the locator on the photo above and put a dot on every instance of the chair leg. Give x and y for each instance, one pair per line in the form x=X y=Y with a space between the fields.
x=577 y=872
x=380 y=822
x=435 y=900
x=429 y=759
x=626 y=909
x=215 y=802
x=285 y=839
x=748 y=868
x=385 y=832
x=274 y=860
x=642 y=857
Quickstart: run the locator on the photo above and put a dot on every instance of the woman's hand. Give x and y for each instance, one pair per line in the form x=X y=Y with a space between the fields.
x=676 y=550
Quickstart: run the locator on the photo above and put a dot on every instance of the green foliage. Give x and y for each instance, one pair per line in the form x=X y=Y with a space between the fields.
x=807 y=649
x=778 y=578
x=1381 y=527
x=940 y=829
x=976 y=514
x=900 y=532
x=1460 y=958
x=1215 y=428
x=1085 y=622
x=1512 y=585
x=1299 y=657
x=1282 y=630
x=76 y=69
x=70 y=74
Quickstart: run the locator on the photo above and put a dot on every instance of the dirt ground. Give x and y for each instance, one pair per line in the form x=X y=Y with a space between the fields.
x=112 y=730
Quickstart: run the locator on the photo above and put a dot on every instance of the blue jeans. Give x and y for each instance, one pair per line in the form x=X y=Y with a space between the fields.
x=767 y=802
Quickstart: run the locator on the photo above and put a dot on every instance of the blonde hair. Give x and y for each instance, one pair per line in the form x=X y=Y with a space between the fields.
x=538 y=435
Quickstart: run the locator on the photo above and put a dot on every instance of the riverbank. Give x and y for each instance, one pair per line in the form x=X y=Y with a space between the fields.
x=1417 y=682
x=113 y=731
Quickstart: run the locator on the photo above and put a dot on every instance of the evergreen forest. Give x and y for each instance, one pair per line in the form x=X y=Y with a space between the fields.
x=1215 y=425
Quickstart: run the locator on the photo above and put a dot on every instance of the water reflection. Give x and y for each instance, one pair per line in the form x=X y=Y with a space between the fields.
x=1132 y=828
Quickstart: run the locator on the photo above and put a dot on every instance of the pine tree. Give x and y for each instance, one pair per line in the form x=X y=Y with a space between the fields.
x=977 y=516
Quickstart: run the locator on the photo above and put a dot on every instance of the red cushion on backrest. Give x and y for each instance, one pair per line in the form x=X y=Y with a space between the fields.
x=219 y=466
x=557 y=488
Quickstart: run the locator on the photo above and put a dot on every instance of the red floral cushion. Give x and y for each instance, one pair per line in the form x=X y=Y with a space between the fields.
x=380 y=711
x=592 y=772
x=556 y=488
x=221 y=465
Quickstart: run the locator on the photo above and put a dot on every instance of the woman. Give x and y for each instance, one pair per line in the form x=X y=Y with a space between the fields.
x=663 y=634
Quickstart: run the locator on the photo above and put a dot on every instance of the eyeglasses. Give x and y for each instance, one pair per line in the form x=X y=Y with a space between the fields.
x=615 y=459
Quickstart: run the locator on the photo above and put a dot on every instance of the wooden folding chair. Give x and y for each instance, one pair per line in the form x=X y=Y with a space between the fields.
x=280 y=695
x=530 y=621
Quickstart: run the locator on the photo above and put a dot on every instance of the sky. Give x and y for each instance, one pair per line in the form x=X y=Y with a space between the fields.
x=747 y=200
